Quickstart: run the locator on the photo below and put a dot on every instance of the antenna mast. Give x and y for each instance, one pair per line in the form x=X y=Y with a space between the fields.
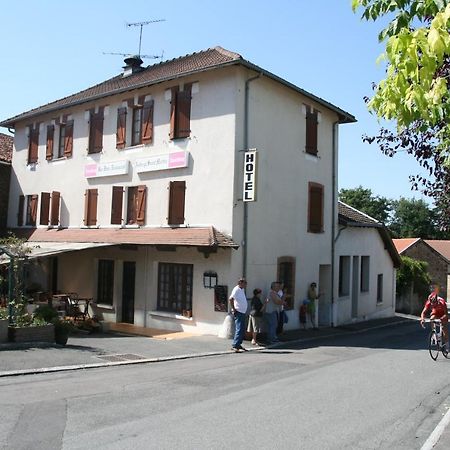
x=141 y=24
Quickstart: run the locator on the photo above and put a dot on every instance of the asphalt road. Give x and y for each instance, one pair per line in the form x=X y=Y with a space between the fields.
x=374 y=390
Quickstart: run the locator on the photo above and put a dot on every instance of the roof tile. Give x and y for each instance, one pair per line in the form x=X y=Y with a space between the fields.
x=6 y=147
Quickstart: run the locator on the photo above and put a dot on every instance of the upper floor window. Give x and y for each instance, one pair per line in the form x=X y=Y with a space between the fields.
x=90 y=207
x=177 y=191
x=33 y=144
x=64 y=144
x=311 y=131
x=180 y=112
x=116 y=205
x=315 y=208
x=141 y=124
x=137 y=127
x=62 y=136
x=96 y=131
x=32 y=202
x=136 y=205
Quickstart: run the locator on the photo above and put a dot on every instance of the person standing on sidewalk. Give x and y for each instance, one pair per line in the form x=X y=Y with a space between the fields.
x=239 y=305
x=273 y=305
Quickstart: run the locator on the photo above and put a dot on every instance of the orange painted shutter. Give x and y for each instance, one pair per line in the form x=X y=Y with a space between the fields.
x=68 y=139
x=183 y=121
x=33 y=145
x=141 y=204
x=50 y=139
x=33 y=209
x=315 y=210
x=20 y=210
x=173 y=113
x=56 y=200
x=90 y=207
x=147 y=122
x=45 y=208
x=116 y=205
x=311 y=133
x=176 y=202
x=121 y=127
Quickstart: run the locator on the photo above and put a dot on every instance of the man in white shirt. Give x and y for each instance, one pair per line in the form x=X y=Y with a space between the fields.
x=238 y=304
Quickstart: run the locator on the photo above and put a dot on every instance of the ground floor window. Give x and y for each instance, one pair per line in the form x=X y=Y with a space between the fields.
x=344 y=276
x=286 y=276
x=175 y=287
x=105 y=286
x=380 y=288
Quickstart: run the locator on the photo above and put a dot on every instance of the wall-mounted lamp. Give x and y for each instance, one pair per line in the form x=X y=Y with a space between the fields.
x=209 y=279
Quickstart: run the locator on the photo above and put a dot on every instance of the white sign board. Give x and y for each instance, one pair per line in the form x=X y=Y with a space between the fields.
x=249 y=186
x=166 y=161
x=107 y=169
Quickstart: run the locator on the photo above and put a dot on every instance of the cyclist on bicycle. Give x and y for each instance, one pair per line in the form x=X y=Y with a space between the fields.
x=438 y=309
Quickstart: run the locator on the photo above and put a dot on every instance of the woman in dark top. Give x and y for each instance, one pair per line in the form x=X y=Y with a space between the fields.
x=256 y=313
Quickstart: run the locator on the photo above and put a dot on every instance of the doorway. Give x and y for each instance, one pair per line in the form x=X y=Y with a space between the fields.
x=355 y=287
x=325 y=295
x=128 y=287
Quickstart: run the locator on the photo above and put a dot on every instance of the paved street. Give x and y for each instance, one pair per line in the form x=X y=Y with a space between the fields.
x=377 y=389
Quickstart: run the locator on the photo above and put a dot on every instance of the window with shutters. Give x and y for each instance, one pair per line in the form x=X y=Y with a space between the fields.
x=121 y=134
x=50 y=141
x=175 y=287
x=136 y=205
x=96 y=132
x=315 y=208
x=177 y=190
x=180 y=112
x=20 y=208
x=311 y=131
x=90 y=207
x=33 y=144
x=116 y=205
x=44 y=214
x=136 y=129
x=31 y=216
x=105 y=282
x=62 y=136
x=286 y=276
x=55 y=204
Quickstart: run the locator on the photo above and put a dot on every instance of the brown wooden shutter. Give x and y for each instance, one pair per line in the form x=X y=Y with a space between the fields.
x=33 y=145
x=121 y=127
x=33 y=209
x=45 y=208
x=311 y=133
x=176 y=202
x=173 y=113
x=90 y=207
x=141 y=204
x=315 y=208
x=116 y=205
x=147 y=122
x=68 y=139
x=50 y=139
x=54 y=216
x=183 y=122
x=96 y=132
x=20 y=210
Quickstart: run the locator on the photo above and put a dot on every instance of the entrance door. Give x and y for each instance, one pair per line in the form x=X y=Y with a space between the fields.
x=325 y=295
x=355 y=287
x=128 y=286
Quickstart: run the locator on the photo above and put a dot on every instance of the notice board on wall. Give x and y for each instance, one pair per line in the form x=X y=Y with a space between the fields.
x=221 y=298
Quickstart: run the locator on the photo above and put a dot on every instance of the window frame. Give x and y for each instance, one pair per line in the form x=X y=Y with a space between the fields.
x=137 y=112
x=105 y=281
x=380 y=287
x=61 y=142
x=364 y=282
x=344 y=276
x=283 y=261
x=313 y=227
x=31 y=210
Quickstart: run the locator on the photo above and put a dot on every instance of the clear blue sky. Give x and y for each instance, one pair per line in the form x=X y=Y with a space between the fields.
x=51 y=49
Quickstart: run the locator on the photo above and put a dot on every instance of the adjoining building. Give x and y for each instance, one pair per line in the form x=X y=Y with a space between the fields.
x=6 y=148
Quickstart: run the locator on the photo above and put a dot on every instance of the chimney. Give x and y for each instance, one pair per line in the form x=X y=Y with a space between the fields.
x=132 y=65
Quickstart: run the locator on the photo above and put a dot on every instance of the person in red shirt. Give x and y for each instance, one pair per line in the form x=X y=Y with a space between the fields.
x=438 y=309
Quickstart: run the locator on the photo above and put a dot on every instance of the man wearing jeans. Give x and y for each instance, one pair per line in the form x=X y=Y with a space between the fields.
x=238 y=303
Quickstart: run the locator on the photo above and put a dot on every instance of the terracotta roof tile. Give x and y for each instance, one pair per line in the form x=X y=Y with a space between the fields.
x=196 y=237
x=442 y=247
x=402 y=244
x=6 y=147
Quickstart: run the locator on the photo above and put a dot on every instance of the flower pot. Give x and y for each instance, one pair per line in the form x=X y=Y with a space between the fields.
x=43 y=333
x=61 y=337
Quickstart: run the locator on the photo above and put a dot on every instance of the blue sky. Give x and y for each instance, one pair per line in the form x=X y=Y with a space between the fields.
x=51 y=49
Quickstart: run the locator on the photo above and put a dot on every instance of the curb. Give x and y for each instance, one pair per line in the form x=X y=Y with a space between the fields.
x=434 y=437
x=45 y=370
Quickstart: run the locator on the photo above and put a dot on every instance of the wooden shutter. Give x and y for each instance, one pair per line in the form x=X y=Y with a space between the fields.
x=50 y=139
x=315 y=208
x=121 y=127
x=96 y=132
x=90 y=207
x=147 y=122
x=20 y=210
x=311 y=133
x=68 y=139
x=176 y=202
x=173 y=112
x=33 y=145
x=131 y=205
x=45 y=208
x=54 y=217
x=33 y=209
x=116 y=205
x=183 y=121
x=141 y=204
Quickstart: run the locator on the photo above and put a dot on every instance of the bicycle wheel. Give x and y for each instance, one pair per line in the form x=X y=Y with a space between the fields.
x=433 y=345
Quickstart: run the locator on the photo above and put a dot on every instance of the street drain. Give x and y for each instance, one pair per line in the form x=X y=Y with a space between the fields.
x=122 y=357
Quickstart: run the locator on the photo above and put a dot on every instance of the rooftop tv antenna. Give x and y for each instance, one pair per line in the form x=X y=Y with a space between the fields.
x=141 y=25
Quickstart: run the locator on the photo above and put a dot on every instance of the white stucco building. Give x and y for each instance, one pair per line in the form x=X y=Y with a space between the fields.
x=134 y=191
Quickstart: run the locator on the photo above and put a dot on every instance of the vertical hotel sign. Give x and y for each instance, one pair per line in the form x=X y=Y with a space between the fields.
x=249 y=186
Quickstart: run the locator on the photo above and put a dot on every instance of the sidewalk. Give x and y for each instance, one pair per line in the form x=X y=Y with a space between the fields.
x=112 y=349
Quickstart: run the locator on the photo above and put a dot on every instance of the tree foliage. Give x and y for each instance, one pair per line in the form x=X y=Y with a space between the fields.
x=413 y=272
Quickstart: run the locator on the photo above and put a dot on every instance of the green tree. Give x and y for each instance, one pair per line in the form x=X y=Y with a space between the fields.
x=417 y=53
x=412 y=218
x=364 y=200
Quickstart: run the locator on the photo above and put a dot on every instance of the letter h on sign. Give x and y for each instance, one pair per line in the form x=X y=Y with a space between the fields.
x=249 y=187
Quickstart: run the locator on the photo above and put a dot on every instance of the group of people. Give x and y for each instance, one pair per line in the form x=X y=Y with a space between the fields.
x=269 y=310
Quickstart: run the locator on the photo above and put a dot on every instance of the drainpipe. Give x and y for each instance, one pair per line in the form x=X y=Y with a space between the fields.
x=333 y=221
x=245 y=224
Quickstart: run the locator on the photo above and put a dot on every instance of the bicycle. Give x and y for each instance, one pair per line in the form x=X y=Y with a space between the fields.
x=435 y=343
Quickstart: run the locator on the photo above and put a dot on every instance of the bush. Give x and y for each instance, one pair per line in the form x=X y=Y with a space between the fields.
x=413 y=273
x=46 y=313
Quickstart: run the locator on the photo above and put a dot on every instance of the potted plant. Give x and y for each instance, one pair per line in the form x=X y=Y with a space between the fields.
x=63 y=328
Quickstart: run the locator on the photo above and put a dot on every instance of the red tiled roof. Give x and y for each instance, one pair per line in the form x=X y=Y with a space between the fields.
x=211 y=58
x=196 y=237
x=6 y=147
x=402 y=244
x=442 y=247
